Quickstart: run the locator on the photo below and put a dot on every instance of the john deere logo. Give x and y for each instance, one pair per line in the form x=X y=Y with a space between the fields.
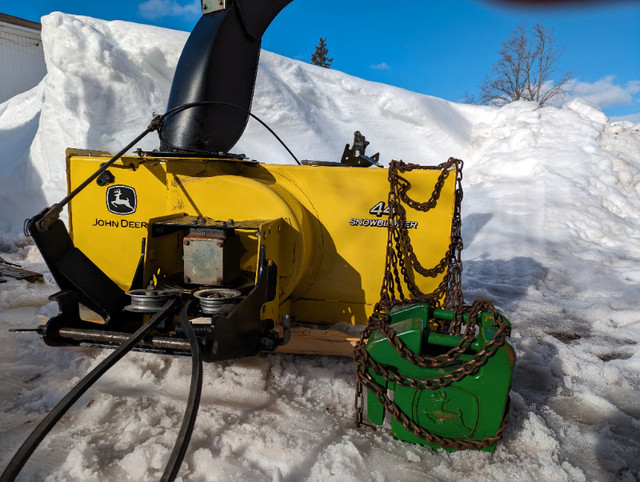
x=121 y=200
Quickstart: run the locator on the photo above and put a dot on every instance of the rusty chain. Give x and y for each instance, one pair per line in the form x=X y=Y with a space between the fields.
x=401 y=265
x=400 y=254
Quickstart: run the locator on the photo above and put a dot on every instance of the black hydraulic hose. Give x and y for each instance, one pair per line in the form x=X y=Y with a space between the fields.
x=189 y=419
x=27 y=448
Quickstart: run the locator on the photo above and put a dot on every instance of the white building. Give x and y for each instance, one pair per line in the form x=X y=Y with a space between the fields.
x=21 y=56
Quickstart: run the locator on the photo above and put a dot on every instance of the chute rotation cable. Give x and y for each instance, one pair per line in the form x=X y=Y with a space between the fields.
x=49 y=216
x=182 y=107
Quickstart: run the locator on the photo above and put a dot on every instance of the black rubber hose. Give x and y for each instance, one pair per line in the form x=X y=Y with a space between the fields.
x=26 y=449
x=189 y=419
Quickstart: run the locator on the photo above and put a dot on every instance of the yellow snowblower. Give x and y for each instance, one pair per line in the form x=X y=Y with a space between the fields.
x=191 y=250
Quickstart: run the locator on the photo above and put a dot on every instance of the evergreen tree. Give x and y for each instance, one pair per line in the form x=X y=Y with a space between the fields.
x=319 y=57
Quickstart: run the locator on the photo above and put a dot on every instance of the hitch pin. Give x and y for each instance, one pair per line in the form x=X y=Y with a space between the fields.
x=27 y=330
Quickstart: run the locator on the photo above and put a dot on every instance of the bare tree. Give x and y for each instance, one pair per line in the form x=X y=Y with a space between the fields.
x=526 y=69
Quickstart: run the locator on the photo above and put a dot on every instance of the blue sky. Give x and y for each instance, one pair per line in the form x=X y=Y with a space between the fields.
x=441 y=48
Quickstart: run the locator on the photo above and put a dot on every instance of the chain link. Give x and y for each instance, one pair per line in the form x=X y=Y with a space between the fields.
x=400 y=267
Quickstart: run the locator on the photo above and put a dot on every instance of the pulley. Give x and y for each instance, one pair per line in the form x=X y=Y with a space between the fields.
x=215 y=301
x=150 y=300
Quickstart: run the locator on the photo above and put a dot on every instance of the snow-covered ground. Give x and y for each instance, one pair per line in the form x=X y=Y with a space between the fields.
x=551 y=225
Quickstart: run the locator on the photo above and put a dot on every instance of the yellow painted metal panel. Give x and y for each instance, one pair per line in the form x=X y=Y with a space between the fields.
x=331 y=241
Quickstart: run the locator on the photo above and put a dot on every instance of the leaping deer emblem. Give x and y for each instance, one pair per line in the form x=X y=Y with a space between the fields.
x=119 y=201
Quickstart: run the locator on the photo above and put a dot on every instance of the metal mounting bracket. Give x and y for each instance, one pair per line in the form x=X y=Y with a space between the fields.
x=210 y=6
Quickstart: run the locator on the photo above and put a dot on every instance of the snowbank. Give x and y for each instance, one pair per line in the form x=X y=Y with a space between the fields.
x=550 y=225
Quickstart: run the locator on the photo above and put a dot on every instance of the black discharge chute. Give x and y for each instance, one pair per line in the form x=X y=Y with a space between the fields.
x=219 y=63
